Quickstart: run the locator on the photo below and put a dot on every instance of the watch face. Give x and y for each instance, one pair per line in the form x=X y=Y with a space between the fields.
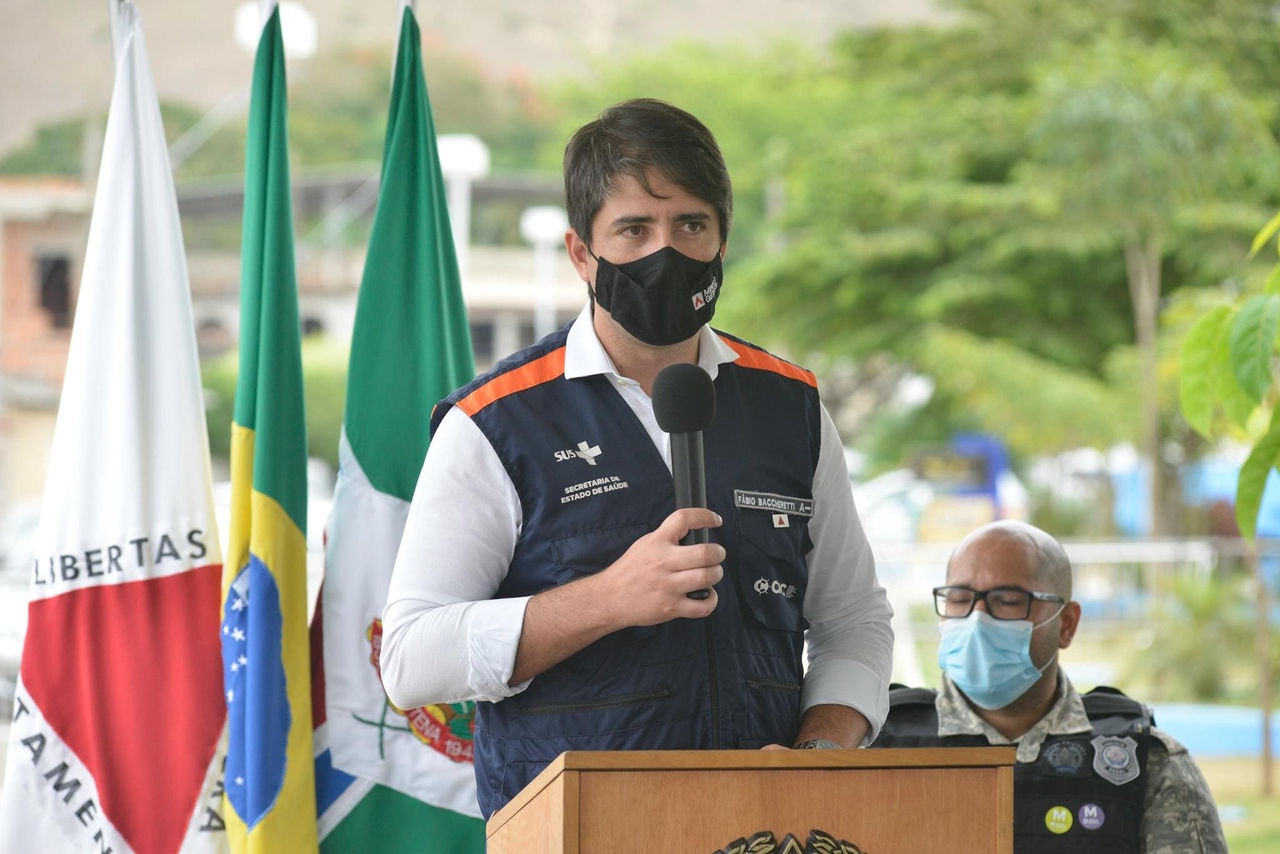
x=818 y=744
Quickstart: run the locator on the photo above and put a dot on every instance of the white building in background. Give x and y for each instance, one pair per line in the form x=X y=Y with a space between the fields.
x=44 y=225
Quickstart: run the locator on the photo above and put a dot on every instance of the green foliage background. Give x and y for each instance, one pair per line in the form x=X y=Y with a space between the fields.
x=324 y=379
x=950 y=200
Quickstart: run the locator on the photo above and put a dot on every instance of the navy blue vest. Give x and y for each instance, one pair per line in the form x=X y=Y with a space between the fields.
x=590 y=483
x=1061 y=803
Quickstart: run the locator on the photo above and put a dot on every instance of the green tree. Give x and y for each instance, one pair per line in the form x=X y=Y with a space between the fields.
x=1131 y=138
x=1227 y=382
x=57 y=149
x=768 y=108
x=338 y=106
x=907 y=222
x=893 y=200
x=1238 y=36
x=923 y=199
x=1201 y=640
x=337 y=109
x=324 y=379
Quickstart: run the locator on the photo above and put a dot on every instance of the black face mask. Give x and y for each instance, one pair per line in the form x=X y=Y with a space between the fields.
x=663 y=298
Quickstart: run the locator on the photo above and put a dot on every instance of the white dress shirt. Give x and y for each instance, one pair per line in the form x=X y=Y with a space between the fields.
x=445 y=639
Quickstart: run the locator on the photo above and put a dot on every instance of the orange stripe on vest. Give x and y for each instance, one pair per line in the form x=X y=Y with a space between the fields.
x=542 y=370
x=750 y=357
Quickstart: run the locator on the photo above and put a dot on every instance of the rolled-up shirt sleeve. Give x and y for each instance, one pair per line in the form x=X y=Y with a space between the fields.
x=445 y=638
x=850 y=637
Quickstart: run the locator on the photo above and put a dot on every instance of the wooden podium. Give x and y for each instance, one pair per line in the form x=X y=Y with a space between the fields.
x=917 y=800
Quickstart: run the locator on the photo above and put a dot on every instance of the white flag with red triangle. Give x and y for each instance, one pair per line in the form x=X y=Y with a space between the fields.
x=116 y=739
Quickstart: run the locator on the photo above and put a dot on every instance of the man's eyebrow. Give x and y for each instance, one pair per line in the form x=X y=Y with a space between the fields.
x=641 y=219
x=625 y=221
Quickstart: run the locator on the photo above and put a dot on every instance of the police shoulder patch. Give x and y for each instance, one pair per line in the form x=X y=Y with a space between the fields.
x=1115 y=759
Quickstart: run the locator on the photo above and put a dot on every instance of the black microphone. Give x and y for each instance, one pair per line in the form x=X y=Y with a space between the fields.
x=684 y=402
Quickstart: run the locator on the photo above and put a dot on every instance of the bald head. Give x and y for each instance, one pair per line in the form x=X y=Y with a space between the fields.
x=1016 y=553
x=1009 y=554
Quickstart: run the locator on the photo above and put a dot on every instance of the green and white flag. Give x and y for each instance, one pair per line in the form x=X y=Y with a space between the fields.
x=388 y=778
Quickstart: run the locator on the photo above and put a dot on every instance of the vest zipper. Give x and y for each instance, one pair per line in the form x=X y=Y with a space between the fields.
x=715 y=685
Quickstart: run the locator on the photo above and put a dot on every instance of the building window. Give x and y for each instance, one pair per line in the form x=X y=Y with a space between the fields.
x=528 y=334
x=482 y=341
x=53 y=274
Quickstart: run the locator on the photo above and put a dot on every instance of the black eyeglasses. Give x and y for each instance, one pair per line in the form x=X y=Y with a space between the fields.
x=1003 y=603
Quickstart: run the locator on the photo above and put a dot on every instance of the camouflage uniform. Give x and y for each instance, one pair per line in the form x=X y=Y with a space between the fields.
x=1179 y=815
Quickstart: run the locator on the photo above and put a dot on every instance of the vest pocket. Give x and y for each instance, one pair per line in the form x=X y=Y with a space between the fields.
x=772 y=575
x=772 y=714
x=587 y=553
x=598 y=704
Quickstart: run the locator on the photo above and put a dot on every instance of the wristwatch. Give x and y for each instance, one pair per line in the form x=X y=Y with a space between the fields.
x=817 y=744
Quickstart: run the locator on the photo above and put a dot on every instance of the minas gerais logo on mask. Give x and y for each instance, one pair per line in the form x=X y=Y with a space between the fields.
x=706 y=295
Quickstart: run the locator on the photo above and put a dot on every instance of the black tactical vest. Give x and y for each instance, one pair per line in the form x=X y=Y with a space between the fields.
x=1084 y=792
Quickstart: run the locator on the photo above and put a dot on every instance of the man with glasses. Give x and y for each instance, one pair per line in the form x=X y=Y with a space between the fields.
x=1093 y=772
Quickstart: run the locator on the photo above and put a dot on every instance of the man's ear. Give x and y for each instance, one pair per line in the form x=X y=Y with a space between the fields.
x=1070 y=621
x=579 y=255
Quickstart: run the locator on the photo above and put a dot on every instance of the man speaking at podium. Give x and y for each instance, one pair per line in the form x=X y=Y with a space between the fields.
x=542 y=571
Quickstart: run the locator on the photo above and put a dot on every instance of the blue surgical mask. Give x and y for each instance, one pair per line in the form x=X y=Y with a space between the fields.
x=989 y=659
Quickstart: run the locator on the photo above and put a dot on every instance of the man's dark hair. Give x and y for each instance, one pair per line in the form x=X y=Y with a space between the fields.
x=632 y=137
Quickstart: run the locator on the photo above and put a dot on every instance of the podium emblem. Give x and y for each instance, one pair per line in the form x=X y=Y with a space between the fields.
x=763 y=842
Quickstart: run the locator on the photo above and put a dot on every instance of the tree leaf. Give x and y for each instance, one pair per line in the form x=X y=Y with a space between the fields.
x=1253 y=477
x=1236 y=402
x=1196 y=359
x=1266 y=233
x=1273 y=281
x=1253 y=342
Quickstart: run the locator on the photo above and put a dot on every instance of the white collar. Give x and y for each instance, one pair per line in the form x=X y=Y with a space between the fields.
x=584 y=355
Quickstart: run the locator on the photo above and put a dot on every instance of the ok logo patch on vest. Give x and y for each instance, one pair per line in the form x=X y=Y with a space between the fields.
x=1116 y=759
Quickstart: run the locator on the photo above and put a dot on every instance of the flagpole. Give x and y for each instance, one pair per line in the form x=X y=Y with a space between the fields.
x=412 y=6
x=265 y=8
x=113 y=13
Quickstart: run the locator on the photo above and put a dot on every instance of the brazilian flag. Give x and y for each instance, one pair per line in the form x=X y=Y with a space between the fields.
x=269 y=780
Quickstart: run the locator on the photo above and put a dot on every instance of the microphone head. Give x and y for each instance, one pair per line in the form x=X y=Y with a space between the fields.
x=684 y=398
